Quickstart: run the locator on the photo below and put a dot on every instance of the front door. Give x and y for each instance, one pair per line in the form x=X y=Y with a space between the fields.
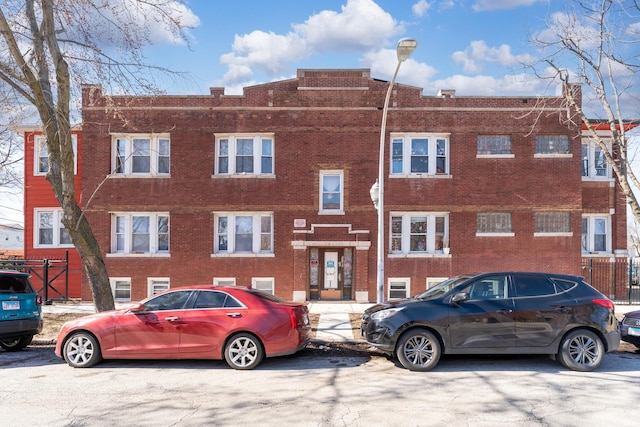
x=331 y=274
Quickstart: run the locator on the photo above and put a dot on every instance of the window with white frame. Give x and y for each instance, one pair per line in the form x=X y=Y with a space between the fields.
x=121 y=288
x=419 y=233
x=49 y=231
x=419 y=154
x=552 y=144
x=41 y=155
x=594 y=163
x=141 y=155
x=331 y=191
x=494 y=223
x=243 y=233
x=432 y=281
x=596 y=234
x=265 y=284
x=224 y=281
x=244 y=154
x=399 y=288
x=157 y=284
x=140 y=233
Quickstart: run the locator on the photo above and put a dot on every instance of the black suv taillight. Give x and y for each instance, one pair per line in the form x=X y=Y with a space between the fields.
x=605 y=303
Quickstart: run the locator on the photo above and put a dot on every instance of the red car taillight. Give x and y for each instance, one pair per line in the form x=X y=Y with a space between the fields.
x=605 y=303
x=294 y=320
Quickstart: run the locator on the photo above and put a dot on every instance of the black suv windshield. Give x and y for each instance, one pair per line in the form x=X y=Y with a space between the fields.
x=442 y=288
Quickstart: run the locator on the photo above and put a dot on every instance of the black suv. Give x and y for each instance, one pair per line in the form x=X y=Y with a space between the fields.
x=20 y=310
x=497 y=313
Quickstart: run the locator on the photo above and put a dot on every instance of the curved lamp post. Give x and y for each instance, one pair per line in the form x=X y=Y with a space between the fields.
x=404 y=49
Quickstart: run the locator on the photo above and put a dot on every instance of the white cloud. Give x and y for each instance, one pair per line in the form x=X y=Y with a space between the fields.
x=484 y=85
x=478 y=52
x=383 y=62
x=421 y=7
x=360 y=26
x=482 y=5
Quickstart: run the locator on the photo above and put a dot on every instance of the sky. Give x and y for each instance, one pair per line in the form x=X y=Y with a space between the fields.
x=473 y=46
x=476 y=47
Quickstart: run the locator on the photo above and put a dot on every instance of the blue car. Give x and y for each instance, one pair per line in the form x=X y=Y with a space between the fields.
x=20 y=310
x=630 y=328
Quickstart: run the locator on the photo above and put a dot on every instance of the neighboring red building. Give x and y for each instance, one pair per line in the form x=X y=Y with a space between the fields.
x=271 y=188
x=44 y=236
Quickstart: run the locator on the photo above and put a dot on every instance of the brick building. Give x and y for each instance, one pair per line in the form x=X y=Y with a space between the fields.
x=271 y=188
x=45 y=238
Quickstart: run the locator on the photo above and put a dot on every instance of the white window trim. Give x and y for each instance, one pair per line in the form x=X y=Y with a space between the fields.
x=112 y=282
x=433 y=281
x=230 y=252
x=407 y=284
x=272 y=280
x=406 y=155
x=405 y=252
x=151 y=281
x=257 y=155
x=339 y=211
x=591 y=146
x=590 y=235
x=222 y=281
x=57 y=216
x=153 y=235
x=154 y=155
x=38 y=140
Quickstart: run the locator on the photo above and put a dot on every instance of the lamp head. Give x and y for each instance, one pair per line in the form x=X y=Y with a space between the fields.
x=405 y=48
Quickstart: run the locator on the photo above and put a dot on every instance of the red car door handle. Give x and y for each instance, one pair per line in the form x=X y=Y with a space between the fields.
x=171 y=318
x=234 y=315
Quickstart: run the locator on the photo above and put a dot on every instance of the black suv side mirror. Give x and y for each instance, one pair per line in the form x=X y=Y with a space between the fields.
x=460 y=297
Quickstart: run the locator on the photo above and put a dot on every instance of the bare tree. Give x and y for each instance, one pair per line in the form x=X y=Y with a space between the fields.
x=595 y=43
x=11 y=155
x=47 y=48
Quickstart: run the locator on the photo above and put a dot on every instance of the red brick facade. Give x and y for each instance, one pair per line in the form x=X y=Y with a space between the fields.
x=329 y=120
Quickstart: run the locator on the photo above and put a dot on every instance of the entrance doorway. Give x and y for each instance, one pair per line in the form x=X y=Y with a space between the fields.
x=331 y=274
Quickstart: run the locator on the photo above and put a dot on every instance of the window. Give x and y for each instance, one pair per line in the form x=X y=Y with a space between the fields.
x=140 y=233
x=224 y=281
x=552 y=144
x=121 y=288
x=530 y=286
x=493 y=287
x=433 y=281
x=215 y=299
x=41 y=155
x=244 y=155
x=552 y=222
x=494 y=144
x=419 y=233
x=265 y=284
x=49 y=231
x=170 y=301
x=594 y=164
x=399 y=288
x=243 y=233
x=494 y=223
x=419 y=154
x=596 y=235
x=157 y=284
x=141 y=155
x=331 y=192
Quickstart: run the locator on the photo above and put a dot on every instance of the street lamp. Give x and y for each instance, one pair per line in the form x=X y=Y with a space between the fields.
x=404 y=49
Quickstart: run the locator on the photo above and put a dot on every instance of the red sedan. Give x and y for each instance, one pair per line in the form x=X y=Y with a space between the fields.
x=241 y=325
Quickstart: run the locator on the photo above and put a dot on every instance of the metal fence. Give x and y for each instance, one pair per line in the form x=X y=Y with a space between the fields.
x=617 y=278
x=50 y=277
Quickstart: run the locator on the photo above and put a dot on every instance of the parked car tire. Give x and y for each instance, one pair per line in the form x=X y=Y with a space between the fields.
x=418 y=350
x=16 y=344
x=243 y=351
x=82 y=350
x=581 y=350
